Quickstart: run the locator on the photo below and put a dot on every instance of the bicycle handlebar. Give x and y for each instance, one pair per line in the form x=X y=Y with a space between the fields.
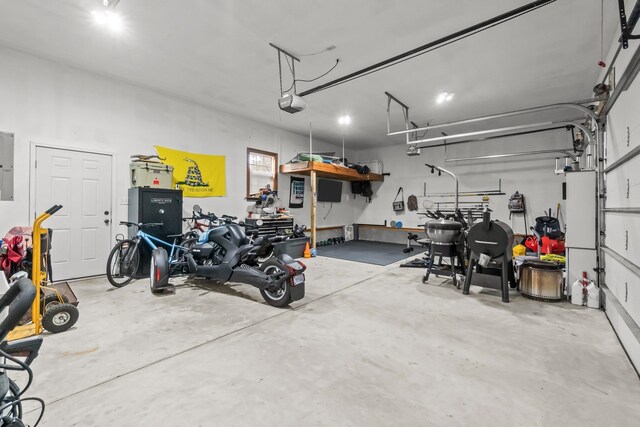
x=142 y=224
x=18 y=298
x=208 y=216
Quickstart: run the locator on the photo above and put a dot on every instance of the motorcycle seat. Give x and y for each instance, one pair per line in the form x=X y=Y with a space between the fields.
x=244 y=249
x=258 y=241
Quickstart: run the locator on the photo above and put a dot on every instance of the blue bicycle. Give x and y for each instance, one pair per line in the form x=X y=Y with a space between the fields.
x=124 y=259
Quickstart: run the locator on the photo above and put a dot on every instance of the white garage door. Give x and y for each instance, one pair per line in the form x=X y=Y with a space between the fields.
x=81 y=182
x=622 y=219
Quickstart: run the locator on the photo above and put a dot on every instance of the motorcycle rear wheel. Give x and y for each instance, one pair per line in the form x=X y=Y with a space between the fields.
x=265 y=257
x=282 y=296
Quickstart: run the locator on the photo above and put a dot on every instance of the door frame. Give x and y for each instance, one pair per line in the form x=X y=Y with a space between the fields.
x=32 y=178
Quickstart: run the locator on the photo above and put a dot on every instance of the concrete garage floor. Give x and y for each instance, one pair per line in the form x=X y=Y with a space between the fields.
x=369 y=345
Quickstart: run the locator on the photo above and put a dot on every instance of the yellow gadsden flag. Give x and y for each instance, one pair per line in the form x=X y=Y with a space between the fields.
x=197 y=175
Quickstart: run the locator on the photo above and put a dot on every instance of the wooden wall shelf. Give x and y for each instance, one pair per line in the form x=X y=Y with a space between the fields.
x=326 y=170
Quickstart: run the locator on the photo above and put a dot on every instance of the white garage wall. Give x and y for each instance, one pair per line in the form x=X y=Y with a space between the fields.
x=532 y=176
x=54 y=104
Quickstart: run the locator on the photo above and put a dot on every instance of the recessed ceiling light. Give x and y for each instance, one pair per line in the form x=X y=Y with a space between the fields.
x=344 y=120
x=108 y=19
x=444 y=96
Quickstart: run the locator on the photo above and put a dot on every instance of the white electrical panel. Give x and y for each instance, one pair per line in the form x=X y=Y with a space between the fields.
x=6 y=166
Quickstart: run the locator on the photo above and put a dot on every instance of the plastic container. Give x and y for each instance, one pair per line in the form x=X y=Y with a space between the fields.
x=577 y=296
x=292 y=247
x=593 y=295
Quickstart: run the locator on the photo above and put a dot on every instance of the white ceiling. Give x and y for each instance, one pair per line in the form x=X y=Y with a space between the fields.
x=216 y=53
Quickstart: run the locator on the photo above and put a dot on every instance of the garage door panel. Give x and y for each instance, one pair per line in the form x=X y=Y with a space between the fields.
x=623 y=185
x=622 y=234
x=623 y=123
x=624 y=284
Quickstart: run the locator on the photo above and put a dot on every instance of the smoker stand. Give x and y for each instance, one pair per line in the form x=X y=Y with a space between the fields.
x=441 y=250
x=501 y=267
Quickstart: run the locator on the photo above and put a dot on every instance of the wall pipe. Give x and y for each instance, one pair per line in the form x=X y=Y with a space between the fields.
x=451 y=174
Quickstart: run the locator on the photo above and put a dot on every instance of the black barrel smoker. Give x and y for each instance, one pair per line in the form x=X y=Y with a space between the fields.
x=490 y=241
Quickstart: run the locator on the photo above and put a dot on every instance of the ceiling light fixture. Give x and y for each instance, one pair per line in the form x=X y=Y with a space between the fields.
x=344 y=120
x=444 y=96
x=107 y=17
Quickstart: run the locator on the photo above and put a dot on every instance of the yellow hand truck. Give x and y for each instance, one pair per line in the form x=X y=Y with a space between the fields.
x=55 y=307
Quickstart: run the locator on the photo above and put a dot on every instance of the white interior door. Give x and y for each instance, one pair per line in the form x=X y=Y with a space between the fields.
x=81 y=183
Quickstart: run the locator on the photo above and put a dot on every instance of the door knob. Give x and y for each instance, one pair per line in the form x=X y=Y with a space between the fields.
x=106 y=221
x=106 y=212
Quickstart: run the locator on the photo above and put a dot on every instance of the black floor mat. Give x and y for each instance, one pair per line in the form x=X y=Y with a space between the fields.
x=377 y=253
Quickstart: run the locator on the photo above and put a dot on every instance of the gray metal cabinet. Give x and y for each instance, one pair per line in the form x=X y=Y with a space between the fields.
x=6 y=166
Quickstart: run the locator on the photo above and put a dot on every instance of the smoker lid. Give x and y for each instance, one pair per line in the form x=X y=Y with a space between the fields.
x=443 y=224
x=541 y=265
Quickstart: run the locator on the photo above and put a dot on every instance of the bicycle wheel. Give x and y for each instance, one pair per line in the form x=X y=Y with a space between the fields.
x=16 y=409
x=122 y=263
x=187 y=244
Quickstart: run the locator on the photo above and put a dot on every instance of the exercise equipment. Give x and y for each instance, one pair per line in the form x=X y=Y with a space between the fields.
x=422 y=262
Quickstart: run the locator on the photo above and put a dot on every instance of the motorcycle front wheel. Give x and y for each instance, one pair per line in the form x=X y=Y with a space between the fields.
x=280 y=297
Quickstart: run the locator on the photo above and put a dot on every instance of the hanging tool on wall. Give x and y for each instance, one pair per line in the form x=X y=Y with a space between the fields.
x=517 y=205
x=398 y=205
